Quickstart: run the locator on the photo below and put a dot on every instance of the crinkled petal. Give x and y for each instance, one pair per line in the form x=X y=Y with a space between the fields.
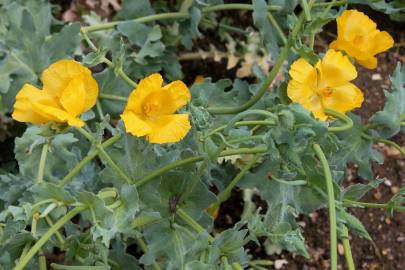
x=23 y=109
x=73 y=97
x=314 y=104
x=135 y=124
x=58 y=75
x=335 y=69
x=298 y=92
x=57 y=115
x=169 y=128
x=179 y=95
x=145 y=87
x=301 y=71
x=382 y=42
x=344 y=98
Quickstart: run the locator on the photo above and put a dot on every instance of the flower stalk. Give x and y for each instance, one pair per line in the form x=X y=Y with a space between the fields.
x=347 y=249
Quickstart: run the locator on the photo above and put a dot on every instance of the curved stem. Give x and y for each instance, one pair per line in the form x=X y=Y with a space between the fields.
x=350 y=203
x=237 y=266
x=113 y=97
x=73 y=267
x=346 y=119
x=35 y=248
x=42 y=161
x=90 y=156
x=241 y=115
x=192 y=223
x=347 y=249
x=241 y=123
x=168 y=167
x=272 y=75
x=331 y=205
x=276 y=26
x=388 y=142
x=224 y=195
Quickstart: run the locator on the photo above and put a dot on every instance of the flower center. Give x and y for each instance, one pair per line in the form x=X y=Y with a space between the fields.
x=358 y=39
x=151 y=108
x=325 y=92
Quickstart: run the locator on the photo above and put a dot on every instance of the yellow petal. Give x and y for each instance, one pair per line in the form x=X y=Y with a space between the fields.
x=169 y=128
x=23 y=109
x=198 y=79
x=344 y=98
x=73 y=97
x=335 y=69
x=298 y=92
x=370 y=63
x=75 y=122
x=57 y=115
x=134 y=124
x=382 y=42
x=145 y=87
x=314 y=104
x=58 y=75
x=179 y=95
x=301 y=71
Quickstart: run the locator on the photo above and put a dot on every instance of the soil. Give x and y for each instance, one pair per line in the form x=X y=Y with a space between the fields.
x=388 y=233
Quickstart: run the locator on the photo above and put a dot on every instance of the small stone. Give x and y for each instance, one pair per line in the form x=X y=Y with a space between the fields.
x=376 y=77
x=387 y=182
x=388 y=221
x=394 y=190
x=377 y=195
x=341 y=249
x=280 y=263
x=400 y=239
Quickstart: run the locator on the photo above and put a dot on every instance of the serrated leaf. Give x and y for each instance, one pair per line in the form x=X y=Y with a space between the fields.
x=354 y=224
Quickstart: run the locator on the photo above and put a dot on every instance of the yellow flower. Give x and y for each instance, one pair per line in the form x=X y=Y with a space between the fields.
x=359 y=37
x=68 y=90
x=327 y=85
x=151 y=107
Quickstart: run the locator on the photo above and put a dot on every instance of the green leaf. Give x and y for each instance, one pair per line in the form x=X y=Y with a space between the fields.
x=61 y=156
x=261 y=21
x=354 y=224
x=396 y=201
x=394 y=110
x=357 y=191
x=189 y=28
x=134 y=9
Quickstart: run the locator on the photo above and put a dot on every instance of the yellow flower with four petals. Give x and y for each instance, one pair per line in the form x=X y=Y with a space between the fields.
x=325 y=85
x=68 y=90
x=151 y=108
x=359 y=37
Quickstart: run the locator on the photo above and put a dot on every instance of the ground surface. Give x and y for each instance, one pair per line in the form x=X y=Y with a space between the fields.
x=388 y=247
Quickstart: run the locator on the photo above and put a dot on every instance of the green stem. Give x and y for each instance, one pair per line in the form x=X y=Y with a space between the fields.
x=104 y=155
x=349 y=203
x=90 y=156
x=168 y=167
x=42 y=161
x=344 y=118
x=192 y=223
x=73 y=267
x=237 y=266
x=276 y=26
x=347 y=249
x=113 y=97
x=141 y=243
x=35 y=248
x=57 y=233
x=99 y=110
x=307 y=11
x=388 y=142
x=224 y=195
x=225 y=263
x=331 y=205
x=42 y=262
x=241 y=115
x=241 y=123
x=328 y=7
x=119 y=71
x=272 y=75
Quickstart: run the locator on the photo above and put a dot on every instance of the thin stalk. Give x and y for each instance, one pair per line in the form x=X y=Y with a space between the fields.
x=237 y=266
x=276 y=26
x=242 y=123
x=42 y=162
x=388 y=142
x=99 y=110
x=141 y=243
x=328 y=7
x=42 y=262
x=270 y=78
x=225 y=263
x=168 y=167
x=90 y=156
x=349 y=203
x=307 y=11
x=331 y=205
x=224 y=195
x=347 y=249
x=119 y=71
x=38 y=245
x=73 y=267
x=348 y=122
x=241 y=115
x=104 y=155
x=57 y=233
x=113 y=97
x=192 y=223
